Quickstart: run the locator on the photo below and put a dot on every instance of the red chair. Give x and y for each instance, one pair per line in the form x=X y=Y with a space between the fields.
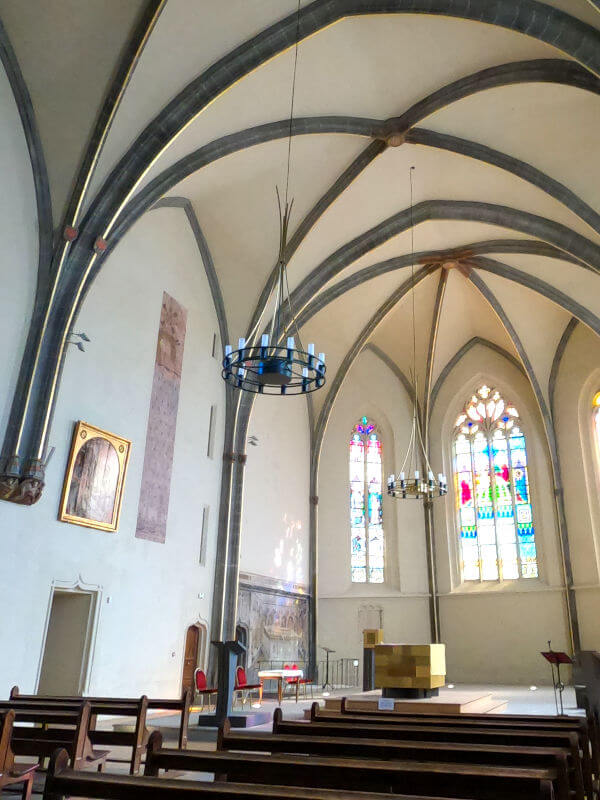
x=290 y=682
x=295 y=683
x=242 y=688
x=202 y=687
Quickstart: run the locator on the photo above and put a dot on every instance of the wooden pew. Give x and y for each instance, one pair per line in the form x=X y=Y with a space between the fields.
x=135 y=740
x=66 y=728
x=478 y=781
x=180 y=705
x=539 y=721
x=438 y=733
x=10 y=773
x=451 y=752
x=62 y=782
x=488 y=721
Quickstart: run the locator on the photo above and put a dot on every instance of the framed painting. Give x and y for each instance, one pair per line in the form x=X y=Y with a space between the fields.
x=93 y=488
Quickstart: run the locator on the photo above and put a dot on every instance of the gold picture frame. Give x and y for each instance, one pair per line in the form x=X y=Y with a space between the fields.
x=93 y=487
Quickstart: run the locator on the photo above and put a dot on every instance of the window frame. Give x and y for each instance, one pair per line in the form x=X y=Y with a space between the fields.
x=367 y=421
x=489 y=438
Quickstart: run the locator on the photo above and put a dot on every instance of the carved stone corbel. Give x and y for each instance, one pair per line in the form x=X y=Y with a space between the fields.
x=29 y=492
x=8 y=486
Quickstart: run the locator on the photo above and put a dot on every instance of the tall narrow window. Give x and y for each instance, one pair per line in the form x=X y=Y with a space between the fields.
x=596 y=405
x=492 y=490
x=366 y=515
x=204 y=535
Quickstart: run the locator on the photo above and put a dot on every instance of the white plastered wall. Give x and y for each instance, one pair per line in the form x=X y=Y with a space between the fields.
x=494 y=631
x=275 y=517
x=19 y=251
x=148 y=593
x=577 y=383
x=370 y=389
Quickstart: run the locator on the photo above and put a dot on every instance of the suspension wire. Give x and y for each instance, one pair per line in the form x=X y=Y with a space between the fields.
x=285 y=210
x=289 y=156
x=292 y=321
x=412 y=277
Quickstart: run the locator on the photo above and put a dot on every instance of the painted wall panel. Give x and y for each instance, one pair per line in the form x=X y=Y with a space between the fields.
x=162 y=423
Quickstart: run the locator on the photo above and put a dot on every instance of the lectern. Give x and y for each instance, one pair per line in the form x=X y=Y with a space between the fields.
x=555 y=659
x=328 y=650
x=371 y=638
x=227 y=655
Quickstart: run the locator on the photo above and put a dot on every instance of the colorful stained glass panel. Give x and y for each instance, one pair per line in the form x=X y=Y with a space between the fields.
x=492 y=490
x=366 y=505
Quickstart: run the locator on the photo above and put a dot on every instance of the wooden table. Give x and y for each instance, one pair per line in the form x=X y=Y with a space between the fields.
x=279 y=675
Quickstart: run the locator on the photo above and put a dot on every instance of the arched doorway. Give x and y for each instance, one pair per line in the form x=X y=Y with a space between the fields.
x=190 y=656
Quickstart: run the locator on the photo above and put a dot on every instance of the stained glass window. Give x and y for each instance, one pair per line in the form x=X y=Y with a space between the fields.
x=497 y=537
x=366 y=514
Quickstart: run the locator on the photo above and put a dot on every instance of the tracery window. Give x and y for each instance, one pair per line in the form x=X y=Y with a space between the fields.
x=366 y=514
x=497 y=537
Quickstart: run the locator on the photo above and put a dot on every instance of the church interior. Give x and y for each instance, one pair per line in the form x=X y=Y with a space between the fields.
x=300 y=398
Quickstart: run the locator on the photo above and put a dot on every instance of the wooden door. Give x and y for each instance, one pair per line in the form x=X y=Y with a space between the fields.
x=190 y=658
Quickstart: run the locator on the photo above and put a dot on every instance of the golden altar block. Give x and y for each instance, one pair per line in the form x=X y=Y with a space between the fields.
x=410 y=670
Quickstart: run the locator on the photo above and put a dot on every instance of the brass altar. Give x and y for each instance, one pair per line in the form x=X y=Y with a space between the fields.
x=410 y=670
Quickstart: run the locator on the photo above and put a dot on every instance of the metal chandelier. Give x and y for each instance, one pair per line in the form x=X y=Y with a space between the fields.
x=279 y=365
x=416 y=480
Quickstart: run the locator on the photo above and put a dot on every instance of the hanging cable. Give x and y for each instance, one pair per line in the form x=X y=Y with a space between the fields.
x=289 y=156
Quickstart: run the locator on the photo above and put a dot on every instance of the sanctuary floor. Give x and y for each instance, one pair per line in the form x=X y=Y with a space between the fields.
x=518 y=699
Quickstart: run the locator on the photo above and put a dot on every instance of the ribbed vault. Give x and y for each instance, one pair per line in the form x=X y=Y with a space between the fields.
x=497 y=105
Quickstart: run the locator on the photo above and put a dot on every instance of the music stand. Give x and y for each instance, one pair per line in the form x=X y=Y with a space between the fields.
x=327 y=651
x=555 y=659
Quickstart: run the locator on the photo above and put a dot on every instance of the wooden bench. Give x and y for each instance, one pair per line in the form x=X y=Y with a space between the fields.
x=478 y=781
x=135 y=740
x=568 y=777
x=12 y=774
x=66 y=728
x=462 y=721
x=539 y=721
x=62 y=782
x=100 y=705
x=438 y=733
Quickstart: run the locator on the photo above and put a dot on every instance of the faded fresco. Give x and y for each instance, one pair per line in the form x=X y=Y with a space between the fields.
x=162 y=423
x=277 y=625
x=93 y=487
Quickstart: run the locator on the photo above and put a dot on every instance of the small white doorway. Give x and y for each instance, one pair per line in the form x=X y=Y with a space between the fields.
x=67 y=644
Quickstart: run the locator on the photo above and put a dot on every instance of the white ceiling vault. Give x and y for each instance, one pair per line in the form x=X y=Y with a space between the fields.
x=505 y=153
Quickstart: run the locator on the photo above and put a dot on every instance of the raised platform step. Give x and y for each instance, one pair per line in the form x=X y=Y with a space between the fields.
x=447 y=702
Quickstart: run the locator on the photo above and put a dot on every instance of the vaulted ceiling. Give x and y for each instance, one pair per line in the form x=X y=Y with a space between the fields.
x=496 y=105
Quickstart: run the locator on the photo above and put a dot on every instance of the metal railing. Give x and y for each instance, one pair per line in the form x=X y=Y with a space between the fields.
x=343 y=672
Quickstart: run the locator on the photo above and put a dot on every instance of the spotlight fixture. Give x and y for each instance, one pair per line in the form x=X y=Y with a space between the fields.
x=278 y=366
